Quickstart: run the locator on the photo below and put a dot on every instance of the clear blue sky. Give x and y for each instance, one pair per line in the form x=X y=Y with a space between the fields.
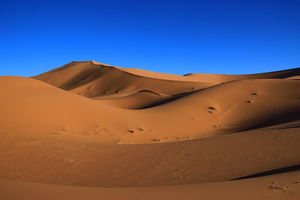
x=231 y=37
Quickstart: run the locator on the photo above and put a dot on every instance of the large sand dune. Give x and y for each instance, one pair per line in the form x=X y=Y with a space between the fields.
x=96 y=125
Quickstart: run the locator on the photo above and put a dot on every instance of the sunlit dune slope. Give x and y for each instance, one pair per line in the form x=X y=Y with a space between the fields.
x=75 y=161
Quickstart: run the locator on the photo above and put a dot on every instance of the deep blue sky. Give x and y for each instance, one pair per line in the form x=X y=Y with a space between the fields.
x=230 y=37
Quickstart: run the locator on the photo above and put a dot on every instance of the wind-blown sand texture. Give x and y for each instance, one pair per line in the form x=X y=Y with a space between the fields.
x=88 y=130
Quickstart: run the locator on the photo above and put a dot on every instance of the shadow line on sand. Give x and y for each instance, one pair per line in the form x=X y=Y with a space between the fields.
x=272 y=172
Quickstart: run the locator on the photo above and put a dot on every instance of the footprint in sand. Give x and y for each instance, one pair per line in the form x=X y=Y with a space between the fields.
x=211 y=109
x=155 y=140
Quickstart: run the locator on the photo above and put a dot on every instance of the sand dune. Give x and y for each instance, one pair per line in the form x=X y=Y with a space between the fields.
x=91 y=124
x=140 y=99
x=277 y=187
x=91 y=79
x=218 y=78
x=86 y=163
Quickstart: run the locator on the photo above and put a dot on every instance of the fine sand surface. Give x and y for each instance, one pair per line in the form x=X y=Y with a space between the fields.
x=88 y=130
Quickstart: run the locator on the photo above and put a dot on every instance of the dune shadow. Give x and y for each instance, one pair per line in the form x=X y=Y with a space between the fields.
x=271 y=172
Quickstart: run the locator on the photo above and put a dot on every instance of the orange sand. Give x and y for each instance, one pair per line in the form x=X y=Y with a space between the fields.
x=109 y=130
